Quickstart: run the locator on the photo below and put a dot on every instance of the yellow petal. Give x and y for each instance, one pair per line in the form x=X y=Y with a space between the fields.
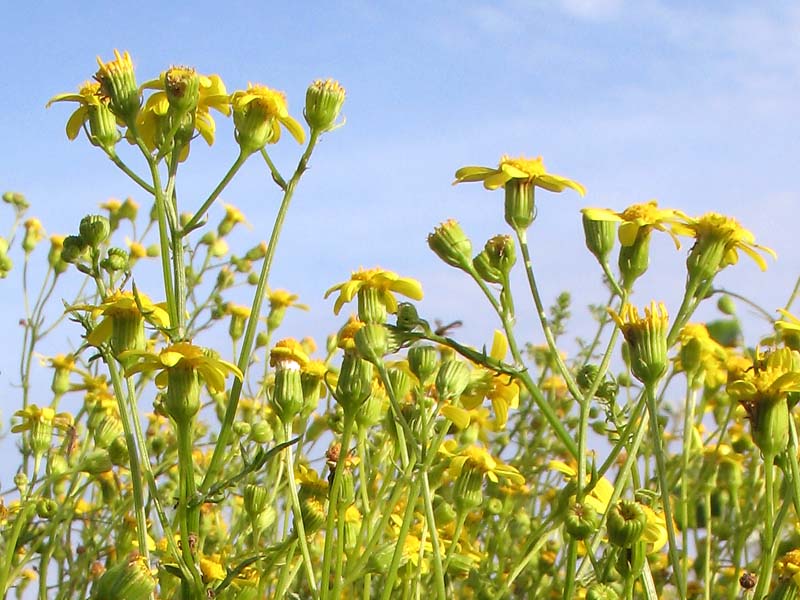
x=411 y=288
x=499 y=345
x=76 y=121
x=297 y=131
x=628 y=232
x=101 y=333
x=469 y=174
x=457 y=415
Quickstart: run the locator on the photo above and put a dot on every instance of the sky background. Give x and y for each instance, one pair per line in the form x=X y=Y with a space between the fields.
x=694 y=104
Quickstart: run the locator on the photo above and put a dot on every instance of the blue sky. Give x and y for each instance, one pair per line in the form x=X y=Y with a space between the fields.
x=694 y=104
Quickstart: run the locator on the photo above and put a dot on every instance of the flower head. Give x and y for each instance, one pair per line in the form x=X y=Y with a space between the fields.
x=638 y=217
x=92 y=109
x=123 y=316
x=478 y=458
x=499 y=388
x=383 y=282
x=763 y=392
x=258 y=113
x=183 y=355
x=529 y=170
x=647 y=339
x=719 y=240
x=118 y=85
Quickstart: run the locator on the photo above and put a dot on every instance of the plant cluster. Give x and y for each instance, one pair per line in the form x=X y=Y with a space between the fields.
x=185 y=450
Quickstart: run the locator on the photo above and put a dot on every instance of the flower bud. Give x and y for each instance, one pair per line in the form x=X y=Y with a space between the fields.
x=130 y=579
x=354 y=384
x=287 y=357
x=601 y=591
x=634 y=259
x=96 y=462
x=94 y=230
x=423 y=362
x=16 y=200
x=118 y=452
x=255 y=499
x=371 y=343
x=312 y=510
x=582 y=521
x=21 y=482
x=646 y=338
x=73 y=249
x=324 y=101
x=626 y=523
x=407 y=316
x=182 y=86
x=261 y=432
x=452 y=379
x=118 y=84
x=182 y=400
x=468 y=490
x=116 y=260
x=600 y=237
x=451 y=244
x=34 y=233
x=54 y=256
x=520 y=206
x=46 y=508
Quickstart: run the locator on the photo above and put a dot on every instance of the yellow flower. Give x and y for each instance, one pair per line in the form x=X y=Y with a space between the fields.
x=770 y=379
x=500 y=388
x=33 y=416
x=530 y=170
x=123 y=306
x=284 y=299
x=477 y=457
x=385 y=282
x=183 y=355
x=716 y=228
x=642 y=216
x=702 y=354
x=154 y=120
x=647 y=339
x=598 y=497
x=88 y=98
x=789 y=322
x=211 y=568
x=288 y=354
x=268 y=105
x=137 y=250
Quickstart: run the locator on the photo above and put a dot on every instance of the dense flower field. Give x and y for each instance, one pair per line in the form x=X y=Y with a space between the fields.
x=186 y=450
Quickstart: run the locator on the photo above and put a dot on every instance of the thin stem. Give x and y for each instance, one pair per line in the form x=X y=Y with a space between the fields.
x=661 y=470
x=198 y=216
x=226 y=430
x=765 y=572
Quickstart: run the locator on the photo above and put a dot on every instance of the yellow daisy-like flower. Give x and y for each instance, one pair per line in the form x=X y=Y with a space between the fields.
x=714 y=228
x=212 y=569
x=33 y=416
x=789 y=322
x=87 y=97
x=763 y=392
x=288 y=354
x=598 y=497
x=647 y=339
x=477 y=457
x=154 y=122
x=642 y=216
x=499 y=388
x=770 y=379
x=385 y=282
x=530 y=170
x=269 y=104
x=123 y=306
x=284 y=299
x=183 y=355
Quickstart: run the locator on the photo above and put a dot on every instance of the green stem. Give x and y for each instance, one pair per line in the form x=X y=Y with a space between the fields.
x=226 y=429
x=134 y=458
x=661 y=470
x=188 y=514
x=112 y=154
x=335 y=512
x=408 y=517
x=198 y=216
x=298 y=516
x=20 y=521
x=688 y=423
x=765 y=572
x=522 y=236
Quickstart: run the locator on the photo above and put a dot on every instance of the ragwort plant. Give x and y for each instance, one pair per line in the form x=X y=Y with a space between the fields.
x=397 y=461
